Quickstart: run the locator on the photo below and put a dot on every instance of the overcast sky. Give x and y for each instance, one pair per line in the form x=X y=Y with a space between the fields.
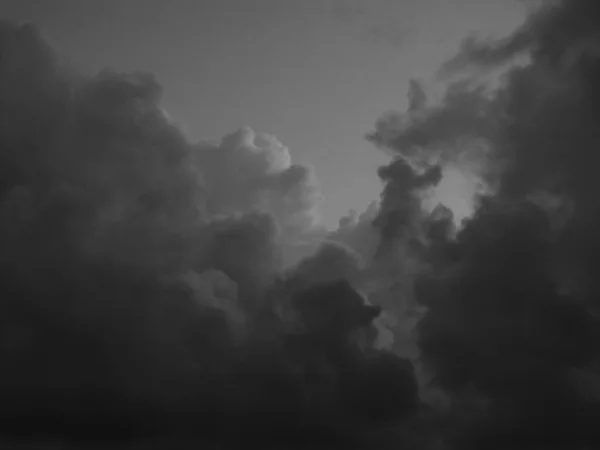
x=314 y=73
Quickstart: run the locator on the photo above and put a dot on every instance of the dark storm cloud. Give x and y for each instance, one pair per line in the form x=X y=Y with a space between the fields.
x=498 y=323
x=141 y=287
x=400 y=208
x=513 y=300
x=460 y=132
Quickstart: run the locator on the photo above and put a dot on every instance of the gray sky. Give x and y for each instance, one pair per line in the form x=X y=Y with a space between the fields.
x=315 y=73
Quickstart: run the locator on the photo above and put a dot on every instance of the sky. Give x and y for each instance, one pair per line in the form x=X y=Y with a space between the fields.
x=164 y=282
x=316 y=74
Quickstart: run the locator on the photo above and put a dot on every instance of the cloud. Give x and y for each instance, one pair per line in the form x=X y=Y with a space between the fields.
x=487 y=55
x=143 y=292
x=454 y=140
x=512 y=310
x=152 y=291
x=358 y=232
x=400 y=200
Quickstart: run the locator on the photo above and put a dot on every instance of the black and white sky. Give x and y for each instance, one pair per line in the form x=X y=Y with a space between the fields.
x=179 y=263
x=313 y=73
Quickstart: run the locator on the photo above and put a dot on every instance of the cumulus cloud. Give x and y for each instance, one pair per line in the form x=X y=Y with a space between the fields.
x=247 y=171
x=143 y=291
x=512 y=310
